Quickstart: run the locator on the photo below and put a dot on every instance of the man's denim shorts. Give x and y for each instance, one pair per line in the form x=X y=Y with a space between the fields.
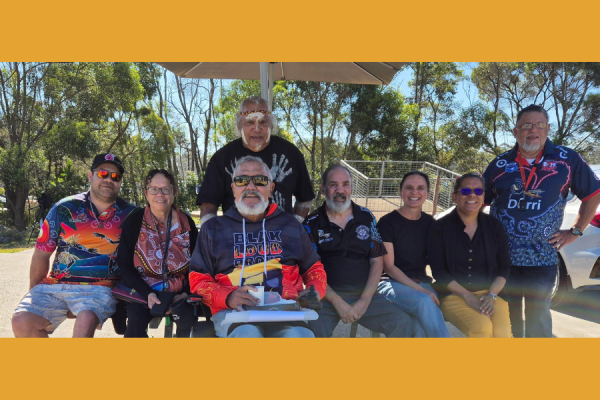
x=53 y=302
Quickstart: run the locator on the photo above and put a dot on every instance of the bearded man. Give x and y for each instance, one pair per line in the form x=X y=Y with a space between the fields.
x=346 y=237
x=254 y=244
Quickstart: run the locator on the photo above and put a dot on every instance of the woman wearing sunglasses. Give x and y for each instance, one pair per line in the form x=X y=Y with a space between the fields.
x=404 y=234
x=469 y=258
x=157 y=242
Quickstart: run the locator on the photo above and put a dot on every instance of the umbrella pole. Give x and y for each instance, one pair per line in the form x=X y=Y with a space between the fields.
x=264 y=80
x=271 y=73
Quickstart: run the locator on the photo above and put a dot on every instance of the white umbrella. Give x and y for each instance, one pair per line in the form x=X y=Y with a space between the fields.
x=368 y=73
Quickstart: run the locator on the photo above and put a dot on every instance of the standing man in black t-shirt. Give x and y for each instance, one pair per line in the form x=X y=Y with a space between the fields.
x=345 y=236
x=255 y=124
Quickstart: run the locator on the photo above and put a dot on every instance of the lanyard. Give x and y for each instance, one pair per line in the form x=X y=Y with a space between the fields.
x=165 y=260
x=527 y=181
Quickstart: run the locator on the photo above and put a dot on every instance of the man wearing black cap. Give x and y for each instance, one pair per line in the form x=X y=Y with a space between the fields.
x=85 y=230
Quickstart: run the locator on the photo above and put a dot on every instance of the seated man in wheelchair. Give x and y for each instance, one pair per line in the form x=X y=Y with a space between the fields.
x=254 y=247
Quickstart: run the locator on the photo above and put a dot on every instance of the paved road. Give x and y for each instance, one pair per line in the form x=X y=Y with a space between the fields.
x=582 y=319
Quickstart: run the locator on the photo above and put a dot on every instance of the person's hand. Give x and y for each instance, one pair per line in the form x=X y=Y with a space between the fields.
x=241 y=297
x=152 y=300
x=360 y=308
x=487 y=304
x=177 y=298
x=473 y=302
x=562 y=238
x=306 y=290
x=433 y=296
x=345 y=311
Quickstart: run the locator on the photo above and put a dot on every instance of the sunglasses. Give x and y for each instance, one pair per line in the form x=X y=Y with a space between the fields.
x=467 y=191
x=103 y=174
x=244 y=180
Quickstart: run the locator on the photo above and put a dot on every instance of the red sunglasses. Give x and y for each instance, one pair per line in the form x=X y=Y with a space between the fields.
x=103 y=174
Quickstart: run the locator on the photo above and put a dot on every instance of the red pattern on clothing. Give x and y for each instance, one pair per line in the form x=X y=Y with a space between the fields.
x=150 y=247
x=214 y=291
x=317 y=277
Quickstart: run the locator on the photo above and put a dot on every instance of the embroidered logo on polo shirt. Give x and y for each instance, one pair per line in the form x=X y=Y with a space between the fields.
x=324 y=237
x=511 y=167
x=548 y=166
x=362 y=232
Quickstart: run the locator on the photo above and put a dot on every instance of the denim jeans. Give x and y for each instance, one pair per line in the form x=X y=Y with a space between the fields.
x=381 y=316
x=274 y=331
x=534 y=284
x=428 y=319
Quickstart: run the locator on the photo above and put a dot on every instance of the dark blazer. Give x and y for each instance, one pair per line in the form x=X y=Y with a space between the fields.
x=442 y=242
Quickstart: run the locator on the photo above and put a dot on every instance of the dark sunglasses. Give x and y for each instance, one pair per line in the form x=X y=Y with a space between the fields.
x=244 y=180
x=103 y=174
x=467 y=191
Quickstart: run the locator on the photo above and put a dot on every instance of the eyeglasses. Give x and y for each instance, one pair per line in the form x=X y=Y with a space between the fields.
x=244 y=180
x=467 y=191
x=103 y=174
x=528 y=126
x=154 y=190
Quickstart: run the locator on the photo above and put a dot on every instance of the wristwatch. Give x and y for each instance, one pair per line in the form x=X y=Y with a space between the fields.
x=576 y=231
x=494 y=295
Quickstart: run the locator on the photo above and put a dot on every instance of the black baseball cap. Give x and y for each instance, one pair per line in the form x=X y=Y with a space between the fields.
x=108 y=158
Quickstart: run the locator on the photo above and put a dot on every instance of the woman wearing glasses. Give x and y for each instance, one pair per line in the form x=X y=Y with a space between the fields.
x=157 y=242
x=469 y=258
x=404 y=234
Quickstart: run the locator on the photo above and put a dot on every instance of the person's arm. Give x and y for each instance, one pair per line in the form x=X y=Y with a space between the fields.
x=125 y=252
x=207 y=211
x=396 y=273
x=587 y=211
x=301 y=209
x=38 y=269
x=344 y=310
x=360 y=306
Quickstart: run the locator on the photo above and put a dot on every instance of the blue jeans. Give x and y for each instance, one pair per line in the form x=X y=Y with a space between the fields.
x=427 y=316
x=274 y=331
x=381 y=316
x=534 y=285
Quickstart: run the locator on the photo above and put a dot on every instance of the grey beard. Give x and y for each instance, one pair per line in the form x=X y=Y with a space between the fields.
x=337 y=207
x=253 y=211
x=532 y=148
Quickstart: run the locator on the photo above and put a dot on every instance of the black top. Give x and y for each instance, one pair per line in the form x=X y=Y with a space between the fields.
x=346 y=253
x=129 y=237
x=471 y=265
x=447 y=235
x=282 y=157
x=409 y=238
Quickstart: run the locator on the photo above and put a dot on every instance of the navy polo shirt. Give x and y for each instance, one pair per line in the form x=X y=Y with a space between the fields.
x=530 y=217
x=346 y=253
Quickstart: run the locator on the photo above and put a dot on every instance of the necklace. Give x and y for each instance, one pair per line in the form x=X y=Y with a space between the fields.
x=93 y=209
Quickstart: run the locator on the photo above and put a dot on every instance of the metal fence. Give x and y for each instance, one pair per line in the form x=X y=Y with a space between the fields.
x=376 y=184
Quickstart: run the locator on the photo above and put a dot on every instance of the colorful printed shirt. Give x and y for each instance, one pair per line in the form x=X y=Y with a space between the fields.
x=346 y=253
x=85 y=246
x=532 y=213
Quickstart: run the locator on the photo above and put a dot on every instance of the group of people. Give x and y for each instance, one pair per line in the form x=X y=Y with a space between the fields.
x=491 y=275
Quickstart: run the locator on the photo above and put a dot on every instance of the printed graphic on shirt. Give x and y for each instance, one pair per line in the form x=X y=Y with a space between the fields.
x=85 y=245
x=278 y=172
x=362 y=232
x=254 y=245
x=323 y=237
